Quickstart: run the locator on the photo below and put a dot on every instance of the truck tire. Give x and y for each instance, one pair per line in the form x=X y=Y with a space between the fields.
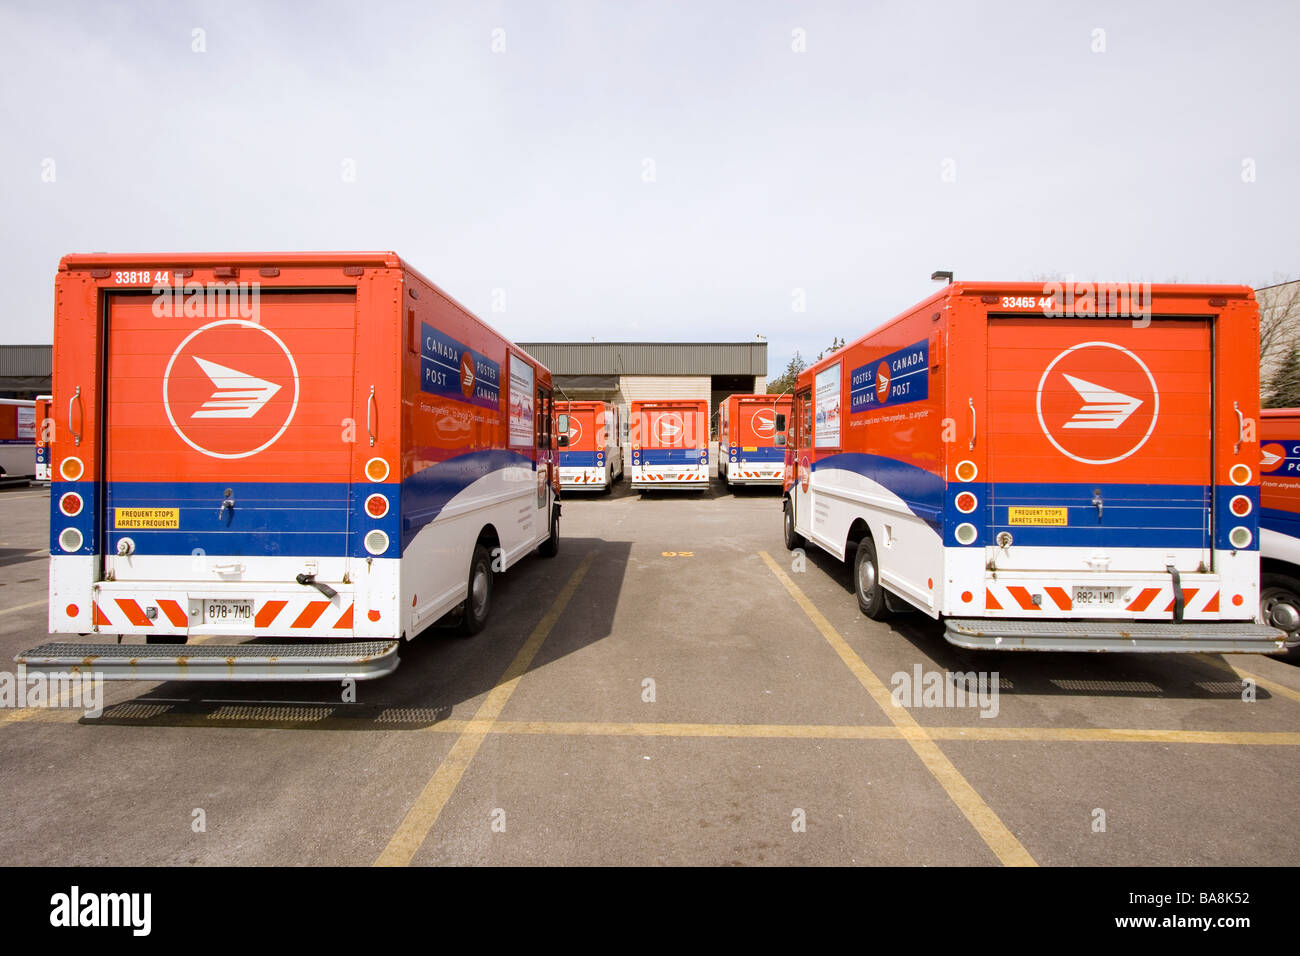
x=866 y=581
x=1279 y=589
x=609 y=480
x=551 y=546
x=478 y=598
x=793 y=539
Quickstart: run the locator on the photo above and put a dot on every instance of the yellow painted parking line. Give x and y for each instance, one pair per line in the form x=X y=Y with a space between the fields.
x=1271 y=686
x=581 y=728
x=987 y=824
x=1116 y=735
x=428 y=805
x=44 y=715
x=162 y=717
x=25 y=607
x=22 y=497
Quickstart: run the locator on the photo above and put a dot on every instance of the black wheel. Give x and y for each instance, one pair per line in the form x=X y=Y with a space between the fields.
x=792 y=538
x=866 y=581
x=551 y=546
x=165 y=639
x=609 y=480
x=478 y=600
x=1275 y=589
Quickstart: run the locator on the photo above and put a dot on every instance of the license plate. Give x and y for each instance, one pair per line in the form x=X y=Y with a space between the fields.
x=1096 y=597
x=228 y=612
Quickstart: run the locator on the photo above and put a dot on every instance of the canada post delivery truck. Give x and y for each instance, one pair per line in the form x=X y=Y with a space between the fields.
x=300 y=445
x=1279 y=523
x=750 y=449
x=670 y=444
x=1045 y=468
x=591 y=458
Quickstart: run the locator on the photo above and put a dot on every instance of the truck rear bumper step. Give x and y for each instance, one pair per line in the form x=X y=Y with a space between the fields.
x=359 y=660
x=1145 y=637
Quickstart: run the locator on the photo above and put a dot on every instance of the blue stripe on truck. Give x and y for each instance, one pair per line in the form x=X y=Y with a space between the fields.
x=283 y=519
x=921 y=490
x=671 y=456
x=425 y=494
x=761 y=455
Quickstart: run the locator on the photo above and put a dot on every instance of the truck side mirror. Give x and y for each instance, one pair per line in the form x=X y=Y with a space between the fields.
x=780 y=423
x=564 y=441
x=562 y=424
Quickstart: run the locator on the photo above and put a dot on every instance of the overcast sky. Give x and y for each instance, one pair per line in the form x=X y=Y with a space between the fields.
x=656 y=170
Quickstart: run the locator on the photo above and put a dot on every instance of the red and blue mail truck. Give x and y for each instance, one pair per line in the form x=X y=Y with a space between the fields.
x=751 y=451
x=1044 y=467
x=670 y=444
x=300 y=445
x=44 y=425
x=1279 y=520
x=591 y=457
x=17 y=438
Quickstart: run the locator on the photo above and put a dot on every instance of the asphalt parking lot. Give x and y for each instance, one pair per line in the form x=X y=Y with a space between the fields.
x=672 y=689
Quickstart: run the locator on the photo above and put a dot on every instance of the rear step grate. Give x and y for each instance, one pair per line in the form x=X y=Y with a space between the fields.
x=1113 y=635
x=293 y=662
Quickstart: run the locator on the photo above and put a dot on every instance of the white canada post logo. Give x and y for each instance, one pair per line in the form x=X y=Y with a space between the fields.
x=668 y=428
x=1097 y=403
x=1102 y=407
x=230 y=388
x=237 y=395
x=764 y=422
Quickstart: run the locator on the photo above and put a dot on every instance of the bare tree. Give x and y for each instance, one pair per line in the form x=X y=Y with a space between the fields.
x=1279 y=328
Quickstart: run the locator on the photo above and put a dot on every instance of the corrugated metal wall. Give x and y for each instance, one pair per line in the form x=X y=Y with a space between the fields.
x=651 y=358
x=643 y=387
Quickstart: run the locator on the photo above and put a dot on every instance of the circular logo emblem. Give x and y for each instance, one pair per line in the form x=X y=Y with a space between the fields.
x=1271 y=457
x=764 y=422
x=669 y=428
x=1097 y=403
x=882 y=381
x=230 y=389
x=467 y=374
x=805 y=472
x=575 y=430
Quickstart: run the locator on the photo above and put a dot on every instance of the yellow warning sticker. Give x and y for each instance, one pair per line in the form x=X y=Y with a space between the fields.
x=146 y=518
x=1039 y=516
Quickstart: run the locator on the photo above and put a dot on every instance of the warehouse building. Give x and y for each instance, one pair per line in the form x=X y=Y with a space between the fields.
x=24 y=370
x=624 y=372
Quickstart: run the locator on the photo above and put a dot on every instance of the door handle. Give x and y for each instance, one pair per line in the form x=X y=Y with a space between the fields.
x=76 y=397
x=371 y=404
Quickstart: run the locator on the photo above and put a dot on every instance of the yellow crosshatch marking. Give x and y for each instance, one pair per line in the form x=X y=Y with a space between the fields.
x=1038 y=516
x=146 y=518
